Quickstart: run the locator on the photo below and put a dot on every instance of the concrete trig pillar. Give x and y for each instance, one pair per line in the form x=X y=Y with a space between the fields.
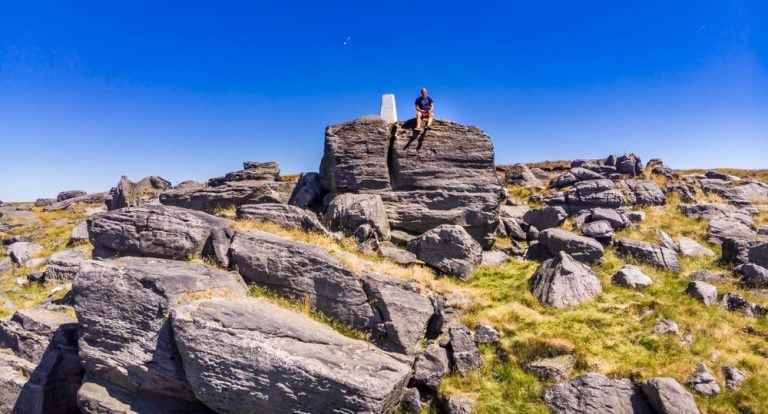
x=388 y=111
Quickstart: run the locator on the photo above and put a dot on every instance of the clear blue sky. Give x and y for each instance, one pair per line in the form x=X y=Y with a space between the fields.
x=90 y=91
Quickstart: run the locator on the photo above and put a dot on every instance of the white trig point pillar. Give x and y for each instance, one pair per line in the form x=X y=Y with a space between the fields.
x=388 y=111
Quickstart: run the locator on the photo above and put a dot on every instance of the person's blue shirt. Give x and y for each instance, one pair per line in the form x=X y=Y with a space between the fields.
x=424 y=103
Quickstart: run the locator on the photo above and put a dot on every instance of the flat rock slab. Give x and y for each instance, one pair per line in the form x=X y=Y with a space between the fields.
x=123 y=308
x=282 y=214
x=248 y=355
x=228 y=195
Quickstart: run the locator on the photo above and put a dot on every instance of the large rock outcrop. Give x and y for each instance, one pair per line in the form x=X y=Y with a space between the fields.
x=445 y=175
x=131 y=194
x=248 y=355
x=125 y=340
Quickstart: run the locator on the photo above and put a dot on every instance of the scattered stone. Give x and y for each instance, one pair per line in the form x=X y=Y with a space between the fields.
x=22 y=252
x=448 y=248
x=519 y=174
x=234 y=351
x=649 y=253
x=702 y=381
x=399 y=256
x=737 y=251
x=753 y=276
x=545 y=217
x=733 y=377
x=486 y=334
x=600 y=230
x=667 y=396
x=705 y=275
x=736 y=303
x=631 y=276
x=282 y=214
x=635 y=216
x=79 y=233
x=666 y=240
x=494 y=258
x=347 y=212
x=645 y=193
x=584 y=249
x=665 y=326
x=430 y=367
x=463 y=351
x=554 y=369
x=459 y=404
x=595 y=393
x=702 y=291
x=691 y=248
x=562 y=281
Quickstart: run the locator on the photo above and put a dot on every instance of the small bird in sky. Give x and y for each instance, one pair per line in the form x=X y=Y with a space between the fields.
x=346 y=41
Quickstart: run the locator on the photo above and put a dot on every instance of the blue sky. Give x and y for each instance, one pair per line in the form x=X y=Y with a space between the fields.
x=90 y=91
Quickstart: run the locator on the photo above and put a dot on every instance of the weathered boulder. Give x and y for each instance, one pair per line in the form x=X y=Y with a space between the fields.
x=308 y=192
x=552 y=369
x=402 y=310
x=596 y=393
x=667 y=396
x=494 y=258
x=486 y=334
x=702 y=381
x=22 y=252
x=758 y=254
x=228 y=195
x=545 y=217
x=691 y=248
x=732 y=195
x=629 y=164
x=430 y=367
x=79 y=233
x=14 y=373
x=594 y=193
x=563 y=281
x=600 y=230
x=355 y=156
x=303 y=271
x=753 y=275
x=459 y=404
x=283 y=214
x=160 y=231
x=448 y=248
x=397 y=255
x=755 y=191
x=737 y=250
x=66 y=195
x=645 y=192
x=617 y=220
x=704 y=275
x=64 y=265
x=395 y=312
x=519 y=174
x=645 y=252
x=707 y=210
x=733 y=377
x=729 y=227
x=631 y=276
x=463 y=350
x=702 y=291
x=443 y=176
x=235 y=351
x=665 y=240
x=252 y=172
x=131 y=194
x=347 y=212
x=48 y=340
x=584 y=249
x=125 y=335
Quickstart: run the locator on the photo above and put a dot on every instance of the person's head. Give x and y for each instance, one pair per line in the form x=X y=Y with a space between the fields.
x=423 y=91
